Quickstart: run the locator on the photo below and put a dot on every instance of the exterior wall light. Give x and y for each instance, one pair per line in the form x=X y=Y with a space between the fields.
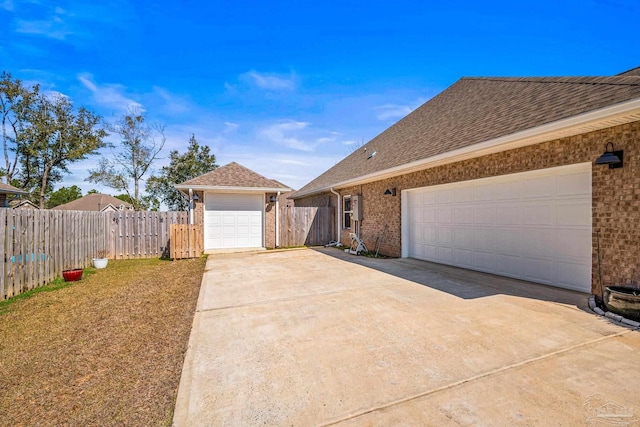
x=390 y=192
x=611 y=157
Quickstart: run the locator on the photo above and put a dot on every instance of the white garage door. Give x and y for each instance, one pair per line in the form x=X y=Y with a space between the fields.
x=233 y=220
x=534 y=226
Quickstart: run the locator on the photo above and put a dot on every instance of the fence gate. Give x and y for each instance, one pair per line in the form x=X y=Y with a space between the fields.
x=186 y=241
x=308 y=226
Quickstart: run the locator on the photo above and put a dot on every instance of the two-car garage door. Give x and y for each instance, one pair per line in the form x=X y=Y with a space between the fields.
x=233 y=220
x=534 y=226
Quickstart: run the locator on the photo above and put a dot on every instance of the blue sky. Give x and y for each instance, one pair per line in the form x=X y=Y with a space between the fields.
x=288 y=88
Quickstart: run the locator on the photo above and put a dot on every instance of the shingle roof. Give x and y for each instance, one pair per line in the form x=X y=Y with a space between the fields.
x=631 y=72
x=474 y=110
x=234 y=175
x=92 y=202
x=10 y=189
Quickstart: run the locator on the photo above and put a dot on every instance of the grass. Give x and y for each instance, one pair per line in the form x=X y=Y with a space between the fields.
x=107 y=350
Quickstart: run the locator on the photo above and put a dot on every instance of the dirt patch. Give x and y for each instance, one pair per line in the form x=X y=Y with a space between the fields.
x=107 y=350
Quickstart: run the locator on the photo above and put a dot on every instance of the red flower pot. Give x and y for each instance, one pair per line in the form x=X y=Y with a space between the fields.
x=72 y=275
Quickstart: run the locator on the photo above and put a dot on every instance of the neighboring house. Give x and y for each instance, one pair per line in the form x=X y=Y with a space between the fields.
x=237 y=206
x=22 y=204
x=96 y=202
x=499 y=175
x=7 y=192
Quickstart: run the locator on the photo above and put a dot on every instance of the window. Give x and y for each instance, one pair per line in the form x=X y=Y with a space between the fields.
x=346 y=208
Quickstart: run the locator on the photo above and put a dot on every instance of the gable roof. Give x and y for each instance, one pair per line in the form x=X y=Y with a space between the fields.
x=10 y=189
x=476 y=111
x=232 y=176
x=23 y=204
x=96 y=202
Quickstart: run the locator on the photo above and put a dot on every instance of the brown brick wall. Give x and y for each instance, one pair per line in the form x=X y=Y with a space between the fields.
x=269 y=221
x=615 y=207
x=198 y=211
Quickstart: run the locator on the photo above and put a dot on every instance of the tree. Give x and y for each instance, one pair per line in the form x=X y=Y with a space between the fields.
x=15 y=100
x=182 y=167
x=55 y=135
x=140 y=145
x=63 y=195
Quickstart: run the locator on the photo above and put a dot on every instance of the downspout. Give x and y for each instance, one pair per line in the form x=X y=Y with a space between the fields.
x=278 y=220
x=191 y=206
x=339 y=214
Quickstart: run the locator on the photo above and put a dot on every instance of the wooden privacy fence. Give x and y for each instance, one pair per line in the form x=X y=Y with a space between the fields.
x=306 y=226
x=186 y=241
x=133 y=234
x=37 y=245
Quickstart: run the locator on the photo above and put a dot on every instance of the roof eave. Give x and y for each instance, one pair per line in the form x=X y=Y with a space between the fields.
x=232 y=189
x=15 y=192
x=614 y=115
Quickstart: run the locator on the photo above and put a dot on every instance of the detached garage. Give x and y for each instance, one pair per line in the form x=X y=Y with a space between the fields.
x=237 y=207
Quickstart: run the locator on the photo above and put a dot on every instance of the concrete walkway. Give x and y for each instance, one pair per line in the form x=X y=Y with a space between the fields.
x=318 y=337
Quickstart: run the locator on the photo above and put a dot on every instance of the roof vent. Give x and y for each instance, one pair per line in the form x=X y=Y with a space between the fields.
x=373 y=153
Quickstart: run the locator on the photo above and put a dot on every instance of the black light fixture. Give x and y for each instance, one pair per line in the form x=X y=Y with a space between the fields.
x=611 y=157
x=390 y=192
x=272 y=199
x=195 y=198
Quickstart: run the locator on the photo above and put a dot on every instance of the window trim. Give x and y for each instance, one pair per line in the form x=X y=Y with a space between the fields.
x=346 y=219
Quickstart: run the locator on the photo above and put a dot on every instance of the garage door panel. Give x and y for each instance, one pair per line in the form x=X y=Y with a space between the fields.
x=534 y=226
x=539 y=187
x=538 y=214
x=572 y=275
x=573 y=213
x=508 y=240
x=508 y=265
x=445 y=215
x=570 y=184
x=483 y=239
x=463 y=238
x=508 y=214
x=445 y=236
x=463 y=215
x=444 y=254
x=574 y=244
x=463 y=258
x=508 y=190
x=484 y=261
x=538 y=270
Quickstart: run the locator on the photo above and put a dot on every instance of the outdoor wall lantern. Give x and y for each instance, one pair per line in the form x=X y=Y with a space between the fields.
x=195 y=198
x=610 y=157
x=391 y=192
x=272 y=199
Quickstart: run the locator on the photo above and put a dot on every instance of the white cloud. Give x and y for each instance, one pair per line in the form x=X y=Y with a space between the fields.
x=110 y=95
x=283 y=133
x=392 y=111
x=230 y=127
x=270 y=81
x=172 y=104
x=54 y=28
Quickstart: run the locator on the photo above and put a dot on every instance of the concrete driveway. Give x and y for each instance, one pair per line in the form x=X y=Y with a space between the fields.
x=318 y=337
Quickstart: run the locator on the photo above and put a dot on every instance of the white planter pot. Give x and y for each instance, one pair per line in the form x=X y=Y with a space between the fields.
x=100 y=262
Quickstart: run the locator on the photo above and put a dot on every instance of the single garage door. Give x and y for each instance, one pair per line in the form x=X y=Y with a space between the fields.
x=534 y=226
x=233 y=220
